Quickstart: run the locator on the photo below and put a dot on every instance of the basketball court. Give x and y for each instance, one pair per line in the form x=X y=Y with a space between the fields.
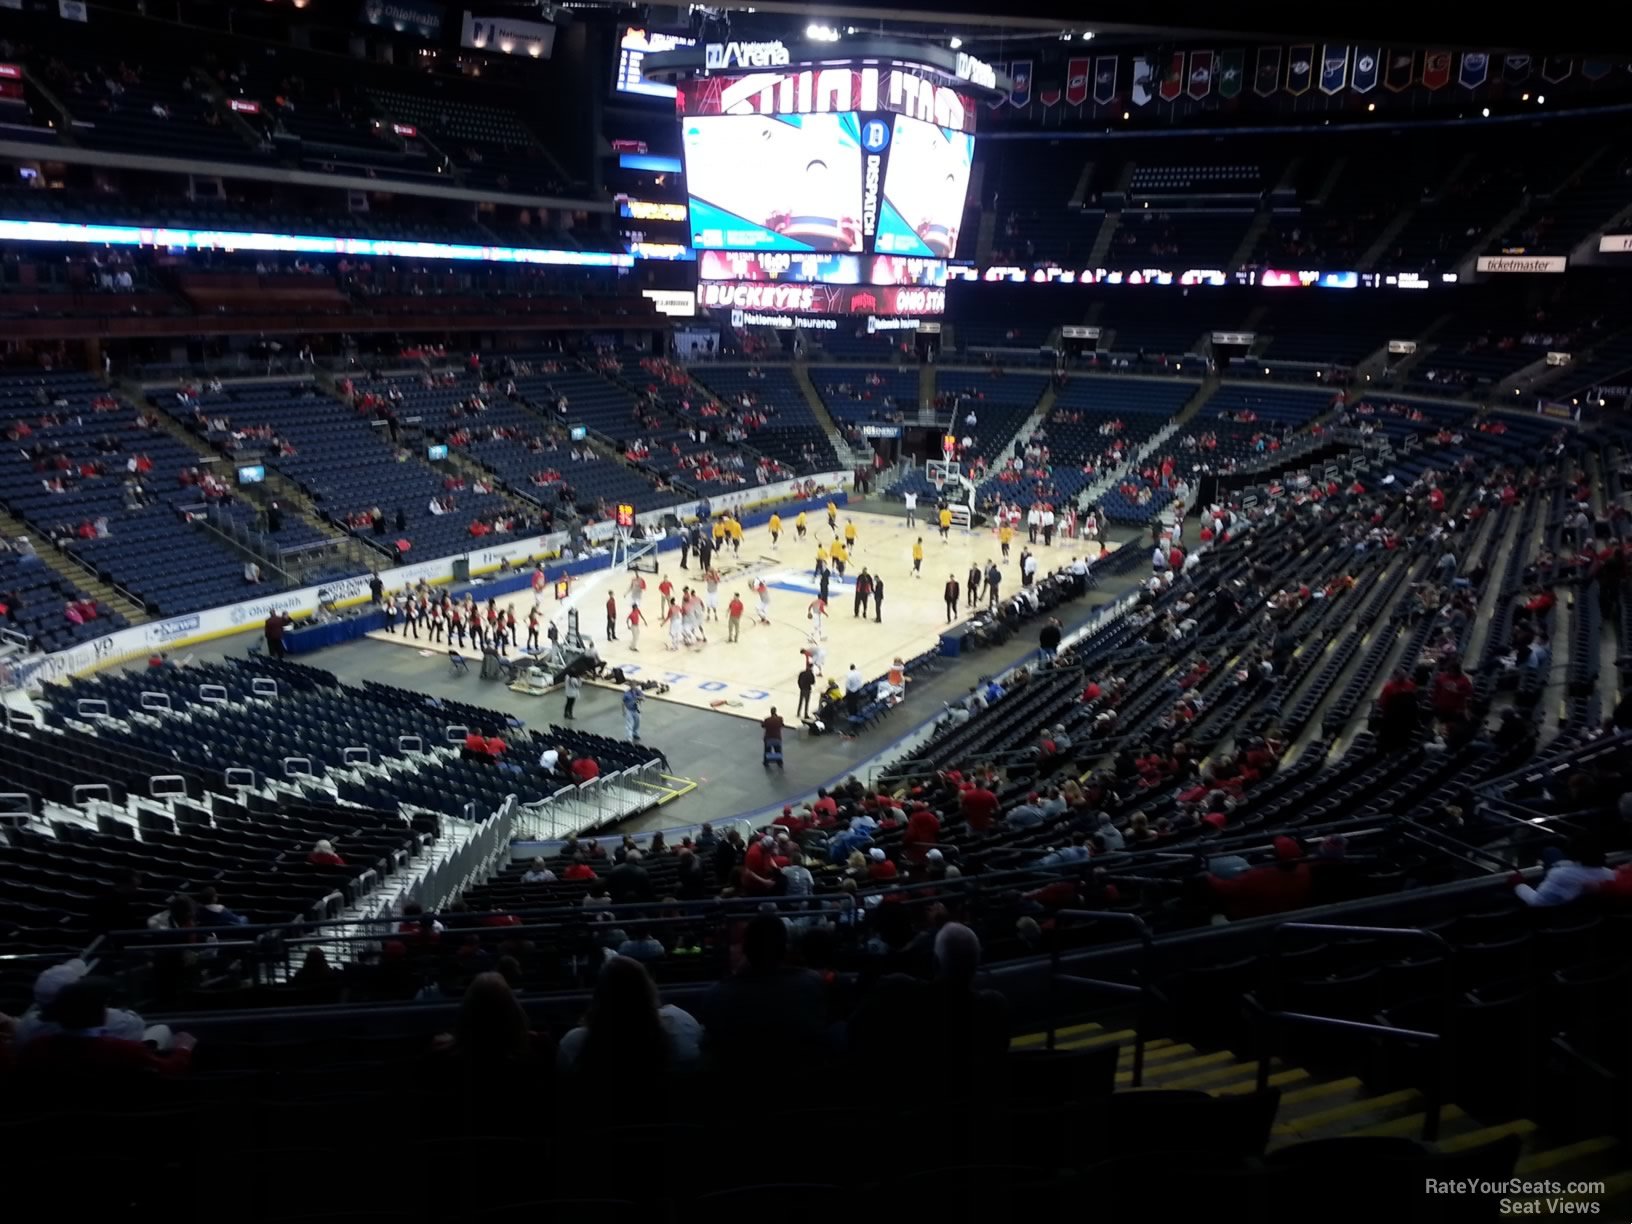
x=747 y=677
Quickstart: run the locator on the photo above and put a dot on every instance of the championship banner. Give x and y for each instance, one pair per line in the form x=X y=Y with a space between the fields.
x=1232 y=66
x=1076 y=81
x=1474 y=69
x=1436 y=69
x=1106 y=70
x=1020 y=93
x=1300 y=69
x=1000 y=101
x=1596 y=70
x=1367 y=65
x=1201 y=74
x=1141 y=81
x=1334 y=69
x=1173 y=79
x=1556 y=68
x=1400 y=71
x=1515 y=68
x=1049 y=94
x=1267 y=79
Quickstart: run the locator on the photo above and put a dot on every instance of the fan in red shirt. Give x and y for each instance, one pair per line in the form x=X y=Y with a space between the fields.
x=1274 y=888
x=579 y=870
x=978 y=807
x=826 y=808
x=880 y=867
x=1452 y=691
x=583 y=769
x=323 y=855
x=923 y=831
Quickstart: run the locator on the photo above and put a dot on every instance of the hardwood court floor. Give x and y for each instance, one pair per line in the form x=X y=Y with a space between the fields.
x=759 y=671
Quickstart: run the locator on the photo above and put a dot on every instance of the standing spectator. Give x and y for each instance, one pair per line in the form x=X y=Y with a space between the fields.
x=632 y=697
x=276 y=623
x=572 y=686
x=878 y=601
x=611 y=618
x=807 y=682
x=1049 y=639
x=951 y=593
x=852 y=691
x=733 y=613
x=772 y=728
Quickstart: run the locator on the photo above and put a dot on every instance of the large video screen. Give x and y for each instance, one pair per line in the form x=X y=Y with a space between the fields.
x=775 y=183
x=924 y=186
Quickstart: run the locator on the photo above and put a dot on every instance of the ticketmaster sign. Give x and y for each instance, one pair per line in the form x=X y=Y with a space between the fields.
x=1521 y=263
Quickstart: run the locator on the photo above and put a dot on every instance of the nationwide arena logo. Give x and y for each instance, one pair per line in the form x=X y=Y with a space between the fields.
x=745 y=55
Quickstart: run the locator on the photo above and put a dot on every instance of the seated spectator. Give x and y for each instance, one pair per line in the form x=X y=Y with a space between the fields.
x=80 y=1047
x=323 y=855
x=211 y=912
x=627 y=1027
x=767 y=1002
x=36 y=1022
x=1567 y=878
x=1271 y=889
x=538 y=873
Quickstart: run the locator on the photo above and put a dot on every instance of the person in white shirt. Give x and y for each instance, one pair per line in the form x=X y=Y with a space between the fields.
x=911 y=500
x=252 y=572
x=1566 y=879
x=1048 y=525
x=1034 y=523
x=1028 y=568
x=852 y=690
x=549 y=758
x=1079 y=567
x=538 y=873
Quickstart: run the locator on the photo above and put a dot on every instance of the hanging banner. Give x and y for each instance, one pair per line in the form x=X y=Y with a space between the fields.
x=72 y=10
x=1201 y=74
x=1334 y=69
x=1556 y=68
x=1020 y=92
x=998 y=102
x=1367 y=65
x=1474 y=69
x=1076 y=81
x=1106 y=70
x=1267 y=79
x=1173 y=79
x=1141 y=81
x=1300 y=69
x=1595 y=69
x=1401 y=70
x=1436 y=69
x=1232 y=66
x=1515 y=68
x=1049 y=94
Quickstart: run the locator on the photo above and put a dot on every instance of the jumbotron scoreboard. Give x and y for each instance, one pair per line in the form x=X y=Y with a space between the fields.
x=826 y=180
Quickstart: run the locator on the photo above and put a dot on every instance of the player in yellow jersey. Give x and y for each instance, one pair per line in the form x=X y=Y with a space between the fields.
x=946 y=523
x=733 y=527
x=776 y=528
x=833 y=518
x=839 y=555
x=918 y=558
x=718 y=532
x=849 y=533
x=821 y=559
x=1005 y=534
x=799 y=524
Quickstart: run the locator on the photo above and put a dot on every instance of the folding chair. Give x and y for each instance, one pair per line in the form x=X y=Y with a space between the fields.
x=456 y=663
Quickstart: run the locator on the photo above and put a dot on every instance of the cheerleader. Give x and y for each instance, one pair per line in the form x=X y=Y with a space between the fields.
x=532 y=628
x=435 y=622
x=510 y=627
x=410 y=618
x=393 y=609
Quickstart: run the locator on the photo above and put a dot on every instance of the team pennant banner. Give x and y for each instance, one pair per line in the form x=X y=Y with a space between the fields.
x=1020 y=91
x=1367 y=67
x=1232 y=66
x=1000 y=101
x=1076 y=81
x=1049 y=94
x=1105 y=74
x=1596 y=70
x=1515 y=68
x=1173 y=79
x=1300 y=69
x=1141 y=81
x=1334 y=69
x=1201 y=74
x=1400 y=71
x=1436 y=69
x=1475 y=68
x=1267 y=79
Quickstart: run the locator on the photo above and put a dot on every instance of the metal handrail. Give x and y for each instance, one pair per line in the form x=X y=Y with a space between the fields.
x=1143 y=990
x=1443 y=1043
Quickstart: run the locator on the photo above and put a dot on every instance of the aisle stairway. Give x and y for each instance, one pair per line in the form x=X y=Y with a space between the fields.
x=1316 y=1105
x=66 y=568
x=847 y=455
